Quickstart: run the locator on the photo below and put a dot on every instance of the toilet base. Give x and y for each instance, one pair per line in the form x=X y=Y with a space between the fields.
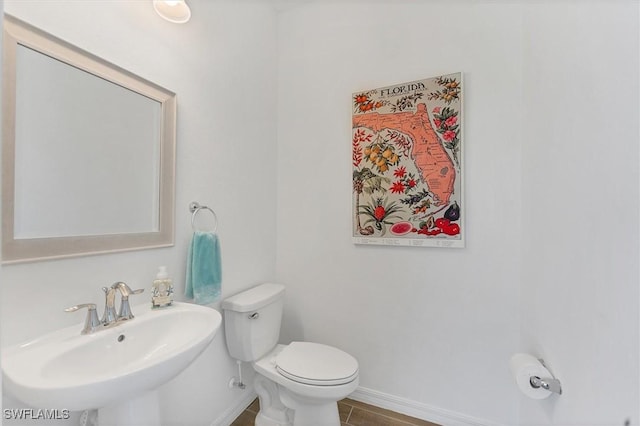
x=272 y=411
x=310 y=413
x=281 y=407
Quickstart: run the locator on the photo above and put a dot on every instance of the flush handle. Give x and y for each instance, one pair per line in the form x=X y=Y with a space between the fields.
x=254 y=315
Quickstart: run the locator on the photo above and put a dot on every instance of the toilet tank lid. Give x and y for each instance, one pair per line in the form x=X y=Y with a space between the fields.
x=254 y=298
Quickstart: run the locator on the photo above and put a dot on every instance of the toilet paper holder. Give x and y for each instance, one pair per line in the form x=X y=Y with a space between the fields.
x=549 y=383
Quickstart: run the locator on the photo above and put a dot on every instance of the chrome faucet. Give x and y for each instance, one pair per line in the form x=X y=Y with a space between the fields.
x=109 y=317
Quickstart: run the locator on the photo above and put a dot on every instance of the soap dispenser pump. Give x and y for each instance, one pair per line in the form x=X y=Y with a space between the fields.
x=162 y=290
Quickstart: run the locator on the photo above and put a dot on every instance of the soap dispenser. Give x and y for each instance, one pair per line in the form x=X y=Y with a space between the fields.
x=162 y=290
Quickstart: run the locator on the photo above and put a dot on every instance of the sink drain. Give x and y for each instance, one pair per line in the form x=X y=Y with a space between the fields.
x=121 y=338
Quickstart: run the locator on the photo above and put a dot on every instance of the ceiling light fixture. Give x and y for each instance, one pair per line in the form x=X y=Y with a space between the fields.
x=176 y=11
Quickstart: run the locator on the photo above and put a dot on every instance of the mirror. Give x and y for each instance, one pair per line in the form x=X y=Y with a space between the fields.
x=88 y=152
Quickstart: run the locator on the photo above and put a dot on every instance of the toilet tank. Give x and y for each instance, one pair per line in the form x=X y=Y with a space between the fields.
x=252 y=321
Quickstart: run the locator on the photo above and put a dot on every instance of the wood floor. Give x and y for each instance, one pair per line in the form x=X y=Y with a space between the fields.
x=352 y=413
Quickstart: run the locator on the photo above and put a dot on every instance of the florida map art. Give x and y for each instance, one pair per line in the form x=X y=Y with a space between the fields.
x=407 y=164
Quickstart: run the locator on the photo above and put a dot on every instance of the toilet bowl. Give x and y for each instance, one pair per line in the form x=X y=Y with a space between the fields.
x=298 y=384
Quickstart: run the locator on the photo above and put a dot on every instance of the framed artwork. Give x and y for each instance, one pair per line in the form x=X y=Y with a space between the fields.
x=407 y=149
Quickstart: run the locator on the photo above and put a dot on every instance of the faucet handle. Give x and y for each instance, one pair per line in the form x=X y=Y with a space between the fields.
x=90 y=306
x=125 y=309
x=91 y=322
x=125 y=290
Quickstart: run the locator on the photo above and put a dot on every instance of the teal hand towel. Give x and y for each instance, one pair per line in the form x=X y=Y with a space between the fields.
x=204 y=270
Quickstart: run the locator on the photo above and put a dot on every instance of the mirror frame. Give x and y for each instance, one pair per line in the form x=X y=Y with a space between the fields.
x=17 y=32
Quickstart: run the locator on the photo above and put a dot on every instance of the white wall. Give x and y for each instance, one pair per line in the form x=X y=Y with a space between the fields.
x=580 y=208
x=222 y=66
x=551 y=163
x=434 y=326
x=1 y=37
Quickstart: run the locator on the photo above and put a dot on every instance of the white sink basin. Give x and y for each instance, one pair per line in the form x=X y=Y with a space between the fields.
x=66 y=370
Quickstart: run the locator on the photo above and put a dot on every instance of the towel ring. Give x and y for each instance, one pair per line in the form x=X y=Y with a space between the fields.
x=194 y=208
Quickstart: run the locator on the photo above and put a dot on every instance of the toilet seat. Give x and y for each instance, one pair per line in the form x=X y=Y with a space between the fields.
x=316 y=364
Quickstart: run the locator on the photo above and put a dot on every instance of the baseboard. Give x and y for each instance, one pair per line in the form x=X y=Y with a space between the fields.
x=232 y=413
x=379 y=399
x=417 y=409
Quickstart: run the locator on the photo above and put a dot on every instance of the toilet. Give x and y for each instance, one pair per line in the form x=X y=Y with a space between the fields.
x=298 y=384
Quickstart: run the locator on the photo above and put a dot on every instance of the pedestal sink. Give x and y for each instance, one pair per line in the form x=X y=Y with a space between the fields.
x=116 y=370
